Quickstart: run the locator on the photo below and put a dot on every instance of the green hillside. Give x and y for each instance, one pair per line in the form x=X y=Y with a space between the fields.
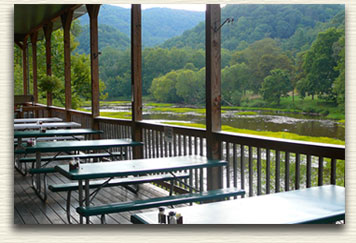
x=158 y=25
x=256 y=22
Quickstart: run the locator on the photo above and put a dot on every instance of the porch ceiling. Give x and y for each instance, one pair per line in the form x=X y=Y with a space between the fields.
x=31 y=17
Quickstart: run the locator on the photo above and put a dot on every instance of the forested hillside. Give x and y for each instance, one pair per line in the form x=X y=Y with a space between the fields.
x=271 y=51
x=254 y=22
x=158 y=25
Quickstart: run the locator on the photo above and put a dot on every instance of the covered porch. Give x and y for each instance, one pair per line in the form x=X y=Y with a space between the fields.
x=259 y=165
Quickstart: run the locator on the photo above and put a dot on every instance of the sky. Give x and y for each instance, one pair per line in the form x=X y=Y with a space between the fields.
x=192 y=7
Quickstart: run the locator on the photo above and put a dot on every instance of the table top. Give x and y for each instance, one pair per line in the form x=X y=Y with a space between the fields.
x=137 y=167
x=34 y=120
x=66 y=146
x=30 y=126
x=312 y=205
x=55 y=132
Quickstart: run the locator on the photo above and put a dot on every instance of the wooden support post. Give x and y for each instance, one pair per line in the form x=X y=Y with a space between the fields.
x=66 y=19
x=24 y=66
x=93 y=11
x=34 y=67
x=47 y=29
x=213 y=91
x=136 y=77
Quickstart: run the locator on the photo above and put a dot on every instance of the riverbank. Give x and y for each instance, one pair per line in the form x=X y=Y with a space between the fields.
x=271 y=122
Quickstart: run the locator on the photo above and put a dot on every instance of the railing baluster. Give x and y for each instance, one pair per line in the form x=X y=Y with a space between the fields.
x=153 y=149
x=234 y=164
x=268 y=171
x=333 y=172
x=190 y=145
x=320 y=171
x=201 y=140
x=179 y=145
x=157 y=144
x=259 y=172
x=228 y=164
x=308 y=170
x=185 y=145
x=161 y=143
x=242 y=152
x=297 y=171
x=250 y=170
x=286 y=181
x=277 y=173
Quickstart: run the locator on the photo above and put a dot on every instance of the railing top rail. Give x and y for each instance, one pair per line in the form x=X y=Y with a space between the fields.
x=288 y=145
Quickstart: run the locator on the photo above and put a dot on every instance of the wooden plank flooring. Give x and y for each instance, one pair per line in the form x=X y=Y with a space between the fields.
x=29 y=209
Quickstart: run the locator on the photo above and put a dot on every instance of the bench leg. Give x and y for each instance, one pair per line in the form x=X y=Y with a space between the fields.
x=102 y=219
x=80 y=189
x=69 y=195
x=37 y=187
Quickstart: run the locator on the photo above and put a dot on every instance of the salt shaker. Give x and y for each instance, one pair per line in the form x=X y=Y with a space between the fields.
x=172 y=218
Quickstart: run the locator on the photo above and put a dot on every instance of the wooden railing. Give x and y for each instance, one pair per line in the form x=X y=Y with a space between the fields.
x=260 y=165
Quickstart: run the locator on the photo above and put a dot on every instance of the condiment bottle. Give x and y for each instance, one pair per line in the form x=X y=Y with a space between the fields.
x=172 y=218
x=179 y=218
x=161 y=216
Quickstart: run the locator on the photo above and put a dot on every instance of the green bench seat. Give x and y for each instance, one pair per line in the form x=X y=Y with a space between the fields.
x=69 y=187
x=158 y=202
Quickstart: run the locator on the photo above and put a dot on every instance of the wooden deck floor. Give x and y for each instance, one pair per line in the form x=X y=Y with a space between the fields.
x=29 y=209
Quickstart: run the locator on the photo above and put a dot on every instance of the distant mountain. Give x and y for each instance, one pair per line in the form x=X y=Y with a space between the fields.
x=254 y=22
x=158 y=24
x=108 y=36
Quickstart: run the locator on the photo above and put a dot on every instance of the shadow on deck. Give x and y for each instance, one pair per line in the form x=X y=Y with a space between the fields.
x=29 y=209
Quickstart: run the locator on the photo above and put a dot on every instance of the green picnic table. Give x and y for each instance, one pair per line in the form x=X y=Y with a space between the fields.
x=137 y=167
x=19 y=135
x=55 y=133
x=74 y=146
x=323 y=204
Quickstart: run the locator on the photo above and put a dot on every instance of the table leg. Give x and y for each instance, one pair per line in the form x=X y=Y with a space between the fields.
x=80 y=188
x=87 y=201
x=38 y=176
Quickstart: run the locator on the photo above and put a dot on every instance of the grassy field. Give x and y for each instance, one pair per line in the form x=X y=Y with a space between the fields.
x=284 y=135
x=299 y=105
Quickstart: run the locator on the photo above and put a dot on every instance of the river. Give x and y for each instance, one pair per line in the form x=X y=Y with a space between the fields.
x=307 y=125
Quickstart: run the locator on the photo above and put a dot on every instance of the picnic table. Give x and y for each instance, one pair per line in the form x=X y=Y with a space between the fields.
x=53 y=134
x=52 y=125
x=35 y=120
x=323 y=204
x=74 y=146
x=138 y=167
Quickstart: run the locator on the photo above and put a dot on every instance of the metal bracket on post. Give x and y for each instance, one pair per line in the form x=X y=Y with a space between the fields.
x=228 y=20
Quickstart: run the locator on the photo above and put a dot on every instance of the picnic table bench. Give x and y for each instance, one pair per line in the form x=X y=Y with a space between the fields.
x=317 y=205
x=139 y=167
x=125 y=182
x=54 y=134
x=158 y=202
x=59 y=147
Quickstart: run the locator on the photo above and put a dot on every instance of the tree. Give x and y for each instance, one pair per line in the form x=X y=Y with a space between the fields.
x=163 y=88
x=80 y=73
x=275 y=86
x=339 y=83
x=190 y=86
x=320 y=62
x=234 y=82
